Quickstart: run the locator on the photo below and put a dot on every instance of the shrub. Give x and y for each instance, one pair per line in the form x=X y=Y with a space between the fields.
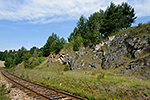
x=130 y=34
x=100 y=76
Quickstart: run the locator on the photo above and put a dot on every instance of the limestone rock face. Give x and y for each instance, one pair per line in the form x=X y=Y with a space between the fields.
x=110 y=53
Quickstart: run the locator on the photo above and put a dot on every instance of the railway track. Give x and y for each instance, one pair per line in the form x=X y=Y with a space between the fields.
x=36 y=90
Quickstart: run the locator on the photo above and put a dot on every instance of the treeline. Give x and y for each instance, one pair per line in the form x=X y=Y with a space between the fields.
x=101 y=24
x=1 y=55
x=12 y=57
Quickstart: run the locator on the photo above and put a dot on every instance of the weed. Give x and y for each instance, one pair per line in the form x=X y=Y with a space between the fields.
x=22 y=76
x=130 y=33
x=100 y=76
x=93 y=73
x=67 y=68
x=3 y=92
x=146 y=94
x=2 y=88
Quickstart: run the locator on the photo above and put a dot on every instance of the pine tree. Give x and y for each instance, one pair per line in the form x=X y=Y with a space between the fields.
x=94 y=26
x=46 y=48
x=74 y=34
x=117 y=18
x=110 y=20
x=128 y=15
x=81 y=24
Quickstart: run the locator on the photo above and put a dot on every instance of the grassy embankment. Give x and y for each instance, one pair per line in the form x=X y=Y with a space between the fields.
x=92 y=84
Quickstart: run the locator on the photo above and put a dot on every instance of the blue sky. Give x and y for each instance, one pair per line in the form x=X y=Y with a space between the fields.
x=29 y=23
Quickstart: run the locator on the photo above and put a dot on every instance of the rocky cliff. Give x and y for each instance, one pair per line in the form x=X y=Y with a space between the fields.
x=127 y=50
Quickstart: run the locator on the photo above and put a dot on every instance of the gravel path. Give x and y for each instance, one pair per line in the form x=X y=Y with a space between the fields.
x=2 y=63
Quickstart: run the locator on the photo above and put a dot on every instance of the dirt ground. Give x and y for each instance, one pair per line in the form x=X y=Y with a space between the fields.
x=2 y=63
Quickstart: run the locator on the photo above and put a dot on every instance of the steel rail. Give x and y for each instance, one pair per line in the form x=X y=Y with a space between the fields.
x=58 y=92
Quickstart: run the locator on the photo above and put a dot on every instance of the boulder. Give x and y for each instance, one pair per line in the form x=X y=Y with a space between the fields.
x=138 y=63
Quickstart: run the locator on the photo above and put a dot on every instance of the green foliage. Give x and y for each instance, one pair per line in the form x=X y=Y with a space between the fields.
x=32 y=62
x=32 y=50
x=103 y=23
x=8 y=62
x=13 y=58
x=77 y=43
x=1 y=55
x=100 y=76
x=35 y=54
x=3 y=92
x=117 y=18
x=25 y=60
x=40 y=54
x=46 y=48
x=4 y=55
x=130 y=33
x=146 y=94
x=54 y=43
x=57 y=45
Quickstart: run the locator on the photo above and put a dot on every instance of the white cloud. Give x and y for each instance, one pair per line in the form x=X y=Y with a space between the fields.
x=46 y=11
x=141 y=7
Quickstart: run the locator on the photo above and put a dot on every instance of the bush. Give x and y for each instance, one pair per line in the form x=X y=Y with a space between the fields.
x=130 y=34
x=100 y=76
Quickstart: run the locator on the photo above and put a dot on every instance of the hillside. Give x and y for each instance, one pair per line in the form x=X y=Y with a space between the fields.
x=116 y=68
x=127 y=50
